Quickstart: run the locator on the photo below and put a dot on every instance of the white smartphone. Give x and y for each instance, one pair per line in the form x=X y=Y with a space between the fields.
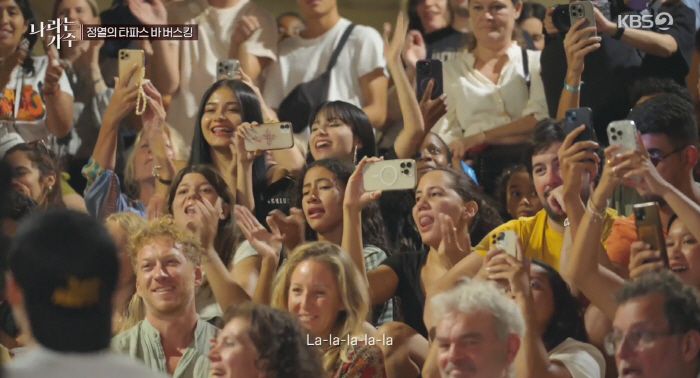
x=399 y=174
x=270 y=136
x=623 y=133
x=127 y=59
x=227 y=68
x=583 y=9
x=507 y=241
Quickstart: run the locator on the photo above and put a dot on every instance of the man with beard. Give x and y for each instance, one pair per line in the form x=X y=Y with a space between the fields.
x=554 y=161
x=669 y=132
x=172 y=339
x=478 y=331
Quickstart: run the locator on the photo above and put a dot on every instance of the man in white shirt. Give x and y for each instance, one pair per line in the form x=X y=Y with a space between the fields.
x=358 y=76
x=171 y=339
x=234 y=29
x=656 y=330
x=63 y=274
x=478 y=331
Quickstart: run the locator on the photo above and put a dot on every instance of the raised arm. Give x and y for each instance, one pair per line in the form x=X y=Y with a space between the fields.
x=576 y=48
x=659 y=44
x=58 y=96
x=244 y=172
x=245 y=28
x=166 y=54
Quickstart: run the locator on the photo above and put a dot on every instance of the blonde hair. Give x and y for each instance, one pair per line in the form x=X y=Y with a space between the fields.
x=91 y=3
x=180 y=149
x=351 y=287
x=165 y=227
x=130 y=222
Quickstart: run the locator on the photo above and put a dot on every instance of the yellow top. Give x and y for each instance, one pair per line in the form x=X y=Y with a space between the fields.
x=540 y=241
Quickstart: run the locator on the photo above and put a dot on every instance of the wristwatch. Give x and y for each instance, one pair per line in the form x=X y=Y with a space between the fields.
x=618 y=34
x=155 y=172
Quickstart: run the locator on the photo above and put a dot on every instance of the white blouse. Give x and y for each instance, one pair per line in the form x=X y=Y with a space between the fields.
x=475 y=104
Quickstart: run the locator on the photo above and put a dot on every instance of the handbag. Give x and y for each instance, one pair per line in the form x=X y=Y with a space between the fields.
x=305 y=97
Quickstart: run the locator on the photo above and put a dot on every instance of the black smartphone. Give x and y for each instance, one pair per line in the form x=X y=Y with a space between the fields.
x=577 y=117
x=426 y=70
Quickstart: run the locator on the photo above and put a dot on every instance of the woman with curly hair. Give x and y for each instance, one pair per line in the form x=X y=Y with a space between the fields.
x=260 y=341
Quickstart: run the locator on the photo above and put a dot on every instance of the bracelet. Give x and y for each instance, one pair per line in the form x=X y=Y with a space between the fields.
x=599 y=213
x=618 y=34
x=573 y=89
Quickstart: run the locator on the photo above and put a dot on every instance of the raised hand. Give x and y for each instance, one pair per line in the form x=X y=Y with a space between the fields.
x=292 y=227
x=577 y=47
x=123 y=99
x=432 y=110
x=638 y=171
x=392 y=50
x=206 y=222
x=414 y=48
x=267 y=244
x=506 y=268
x=643 y=259
x=154 y=115
x=245 y=27
x=356 y=198
x=156 y=207
x=459 y=148
x=245 y=131
x=54 y=71
x=11 y=62
x=149 y=12
x=449 y=245
x=575 y=159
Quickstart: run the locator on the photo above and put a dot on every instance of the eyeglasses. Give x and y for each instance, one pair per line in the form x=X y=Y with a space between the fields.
x=656 y=159
x=637 y=339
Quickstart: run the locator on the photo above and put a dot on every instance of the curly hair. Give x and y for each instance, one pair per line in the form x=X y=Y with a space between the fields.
x=567 y=319
x=372 y=224
x=279 y=340
x=502 y=185
x=165 y=227
x=352 y=291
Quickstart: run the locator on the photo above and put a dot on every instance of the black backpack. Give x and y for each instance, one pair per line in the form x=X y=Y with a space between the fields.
x=305 y=97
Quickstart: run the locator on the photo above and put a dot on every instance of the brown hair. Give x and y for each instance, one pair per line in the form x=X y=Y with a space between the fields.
x=47 y=163
x=280 y=341
x=93 y=7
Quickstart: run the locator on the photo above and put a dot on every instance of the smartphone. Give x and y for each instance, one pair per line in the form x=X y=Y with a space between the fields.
x=399 y=174
x=227 y=68
x=583 y=10
x=574 y=118
x=623 y=133
x=649 y=229
x=426 y=70
x=270 y=136
x=506 y=240
x=127 y=59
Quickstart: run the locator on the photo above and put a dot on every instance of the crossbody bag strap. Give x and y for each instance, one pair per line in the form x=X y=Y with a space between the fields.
x=526 y=69
x=339 y=48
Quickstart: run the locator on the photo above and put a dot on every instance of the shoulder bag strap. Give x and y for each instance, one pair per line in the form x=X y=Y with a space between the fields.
x=526 y=69
x=339 y=48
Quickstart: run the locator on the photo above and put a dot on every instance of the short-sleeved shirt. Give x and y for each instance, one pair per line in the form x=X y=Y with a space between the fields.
x=677 y=65
x=142 y=342
x=407 y=266
x=302 y=60
x=444 y=44
x=198 y=58
x=622 y=235
x=539 y=240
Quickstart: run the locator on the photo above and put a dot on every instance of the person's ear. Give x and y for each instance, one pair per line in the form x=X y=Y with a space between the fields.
x=49 y=180
x=225 y=211
x=198 y=276
x=691 y=156
x=690 y=346
x=518 y=8
x=469 y=210
x=512 y=345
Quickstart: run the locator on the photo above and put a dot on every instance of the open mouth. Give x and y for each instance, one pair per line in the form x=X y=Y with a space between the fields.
x=190 y=210
x=315 y=212
x=425 y=222
x=215 y=372
x=222 y=131
x=322 y=144
x=679 y=268
x=630 y=372
x=307 y=318
x=164 y=289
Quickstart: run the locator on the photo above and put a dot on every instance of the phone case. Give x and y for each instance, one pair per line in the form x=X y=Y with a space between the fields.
x=577 y=117
x=426 y=70
x=583 y=9
x=399 y=174
x=506 y=240
x=649 y=230
x=270 y=136
x=227 y=68
x=127 y=59
x=623 y=133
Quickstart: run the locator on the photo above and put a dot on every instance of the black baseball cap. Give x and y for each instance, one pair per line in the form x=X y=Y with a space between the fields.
x=66 y=265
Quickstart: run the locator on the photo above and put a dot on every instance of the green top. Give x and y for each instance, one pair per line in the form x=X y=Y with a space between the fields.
x=142 y=342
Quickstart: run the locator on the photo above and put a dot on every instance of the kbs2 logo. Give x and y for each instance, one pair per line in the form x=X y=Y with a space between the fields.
x=662 y=21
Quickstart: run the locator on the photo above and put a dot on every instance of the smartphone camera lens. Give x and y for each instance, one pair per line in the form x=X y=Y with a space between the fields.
x=403 y=165
x=612 y=130
x=409 y=165
x=406 y=172
x=640 y=214
x=614 y=137
x=619 y=133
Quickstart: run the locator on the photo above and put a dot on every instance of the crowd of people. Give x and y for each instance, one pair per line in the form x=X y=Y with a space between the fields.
x=139 y=237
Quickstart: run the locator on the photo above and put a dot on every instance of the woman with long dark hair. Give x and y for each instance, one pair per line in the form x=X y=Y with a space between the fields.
x=229 y=108
x=36 y=174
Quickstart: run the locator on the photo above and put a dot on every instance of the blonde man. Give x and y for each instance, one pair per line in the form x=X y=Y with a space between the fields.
x=172 y=339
